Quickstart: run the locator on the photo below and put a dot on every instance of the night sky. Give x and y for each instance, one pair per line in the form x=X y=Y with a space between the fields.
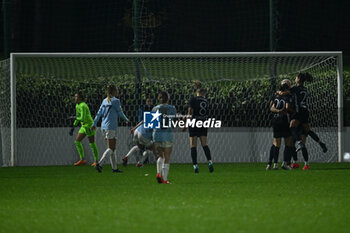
x=179 y=25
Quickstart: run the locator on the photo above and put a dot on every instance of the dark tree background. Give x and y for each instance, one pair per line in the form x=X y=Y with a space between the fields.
x=179 y=25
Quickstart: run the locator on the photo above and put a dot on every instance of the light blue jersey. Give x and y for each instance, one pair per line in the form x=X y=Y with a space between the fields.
x=110 y=112
x=146 y=133
x=164 y=134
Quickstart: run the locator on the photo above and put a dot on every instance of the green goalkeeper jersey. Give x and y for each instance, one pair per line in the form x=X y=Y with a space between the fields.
x=83 y=114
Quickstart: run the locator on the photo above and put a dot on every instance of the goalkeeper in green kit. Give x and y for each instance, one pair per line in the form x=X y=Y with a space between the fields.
x=83 y=117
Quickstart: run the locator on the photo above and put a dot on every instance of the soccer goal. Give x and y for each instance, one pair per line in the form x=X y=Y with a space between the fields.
x=37 y=100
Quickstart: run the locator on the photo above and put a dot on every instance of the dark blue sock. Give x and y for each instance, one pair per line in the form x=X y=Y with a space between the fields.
x=207 y=152
x=194 y=155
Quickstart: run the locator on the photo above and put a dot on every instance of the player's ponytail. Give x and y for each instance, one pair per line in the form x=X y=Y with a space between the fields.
x=110 y=91
x=163 y=97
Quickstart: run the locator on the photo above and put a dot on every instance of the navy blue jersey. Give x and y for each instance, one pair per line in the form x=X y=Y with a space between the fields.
x=300 y=96
x=280 y=102
x=199 y=106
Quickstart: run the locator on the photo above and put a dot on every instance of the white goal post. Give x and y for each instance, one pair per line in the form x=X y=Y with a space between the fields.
x=211 y=67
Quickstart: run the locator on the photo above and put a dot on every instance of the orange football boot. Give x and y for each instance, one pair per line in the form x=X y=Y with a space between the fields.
x=80 y=162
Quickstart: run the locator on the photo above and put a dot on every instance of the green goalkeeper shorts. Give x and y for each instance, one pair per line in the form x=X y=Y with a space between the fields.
x=86 y=129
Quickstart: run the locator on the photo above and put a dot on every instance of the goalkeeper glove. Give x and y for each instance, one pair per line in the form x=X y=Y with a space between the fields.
x=71 y=131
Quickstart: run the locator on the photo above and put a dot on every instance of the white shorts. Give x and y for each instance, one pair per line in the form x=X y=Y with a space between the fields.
x=109 y=134
x=163 y=144
x=138 y=138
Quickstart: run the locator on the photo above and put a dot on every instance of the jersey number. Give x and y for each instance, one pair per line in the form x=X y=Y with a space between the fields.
x=280 y=104
x=203 y=108
x=303 y=99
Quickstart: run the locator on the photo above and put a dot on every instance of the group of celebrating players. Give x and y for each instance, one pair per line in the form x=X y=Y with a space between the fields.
x=290 y=121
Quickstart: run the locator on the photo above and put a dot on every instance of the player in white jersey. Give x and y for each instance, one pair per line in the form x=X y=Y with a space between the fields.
x=110 y=111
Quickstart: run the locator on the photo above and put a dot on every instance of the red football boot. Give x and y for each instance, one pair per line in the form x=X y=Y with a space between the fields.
x=159 y=178
x=139 y=164
x=125 y=161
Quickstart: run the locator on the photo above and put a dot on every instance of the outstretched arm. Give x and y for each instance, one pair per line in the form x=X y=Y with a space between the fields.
x=120 y=110
x=287 y=92
x=97 y=117
x=72 y=125
x=134 y=128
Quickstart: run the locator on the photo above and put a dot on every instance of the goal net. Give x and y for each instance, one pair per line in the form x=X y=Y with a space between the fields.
x=39 y=94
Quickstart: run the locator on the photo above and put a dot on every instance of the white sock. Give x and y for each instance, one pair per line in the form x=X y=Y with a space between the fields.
x=105 y=154
x=113 y=159
x=160 y=162
x=145 y=156
x=133 y=151
x=165 y=171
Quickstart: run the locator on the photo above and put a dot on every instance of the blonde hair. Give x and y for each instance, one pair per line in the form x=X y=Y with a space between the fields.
x=285 y=84
x=110 y=90
x=197 y=84
x=286 y=81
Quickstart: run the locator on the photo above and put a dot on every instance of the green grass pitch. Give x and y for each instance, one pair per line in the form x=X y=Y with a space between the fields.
x=235 y=198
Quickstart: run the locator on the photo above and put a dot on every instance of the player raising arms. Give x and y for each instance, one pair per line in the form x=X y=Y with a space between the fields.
x=110 y=110
x=281 y=107
x=143 y=141
x=83 y=117
x=198 y=109
x=163 y=137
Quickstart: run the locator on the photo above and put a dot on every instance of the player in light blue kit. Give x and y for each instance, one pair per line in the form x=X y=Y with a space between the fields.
x=163 y=137
x=143 y=140
x=110 y=111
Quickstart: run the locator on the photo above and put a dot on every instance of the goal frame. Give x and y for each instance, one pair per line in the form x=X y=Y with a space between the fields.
x=337 y=54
